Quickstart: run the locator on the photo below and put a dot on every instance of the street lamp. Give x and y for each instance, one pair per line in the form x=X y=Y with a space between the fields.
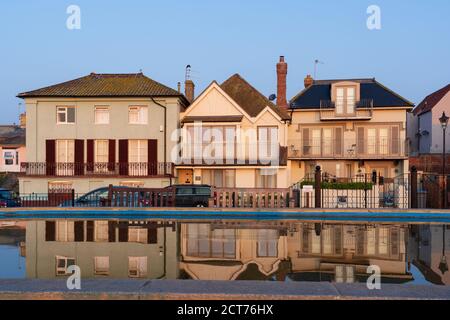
x=444 y=123
x=443 y=266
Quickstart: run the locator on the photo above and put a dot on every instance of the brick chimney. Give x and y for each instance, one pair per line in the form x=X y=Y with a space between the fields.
x=23 y=120
x=309 y=81
x=189 y=90
x=282 y=69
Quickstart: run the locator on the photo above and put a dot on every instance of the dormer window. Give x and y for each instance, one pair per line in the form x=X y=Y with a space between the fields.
x=345 y=100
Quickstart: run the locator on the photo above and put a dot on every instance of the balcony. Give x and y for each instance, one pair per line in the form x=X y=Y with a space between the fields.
x=346 y=110
x=143 y=169
x=241 y=155
x=348 y=149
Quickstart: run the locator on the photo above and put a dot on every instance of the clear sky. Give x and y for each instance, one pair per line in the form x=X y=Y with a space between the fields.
x=410 y=54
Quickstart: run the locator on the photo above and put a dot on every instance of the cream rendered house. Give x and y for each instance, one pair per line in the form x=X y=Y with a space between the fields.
x=348 y=127
x=246 y=122
x=98 y=130
x=224 y=252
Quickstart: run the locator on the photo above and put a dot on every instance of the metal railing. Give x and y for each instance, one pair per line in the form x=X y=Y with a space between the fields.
x=348 y=148
x=346 y=109
x=240 y=154
x=141 y=169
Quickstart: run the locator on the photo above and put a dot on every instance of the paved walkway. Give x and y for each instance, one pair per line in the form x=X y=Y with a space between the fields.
x=213 y=290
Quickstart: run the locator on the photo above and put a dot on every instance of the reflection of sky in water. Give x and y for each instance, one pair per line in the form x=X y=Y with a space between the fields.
x=12 y=265
x=418 y=276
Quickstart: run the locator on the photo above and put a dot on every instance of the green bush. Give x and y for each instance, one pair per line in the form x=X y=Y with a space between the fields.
x=341 y=185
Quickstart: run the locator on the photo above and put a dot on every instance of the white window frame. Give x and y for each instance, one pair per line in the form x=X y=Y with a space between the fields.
x=98 y=270
x=101 y=236
x=137 y=235
x=62 y=271
x=101 y=108
x=65 y=110
x=67 y=228
x=142 y=114
x=136 y=272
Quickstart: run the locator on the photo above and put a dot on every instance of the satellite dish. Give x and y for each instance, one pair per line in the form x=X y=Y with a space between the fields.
x=272 y=97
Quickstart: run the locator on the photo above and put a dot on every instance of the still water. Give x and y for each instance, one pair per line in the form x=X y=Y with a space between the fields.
x=290 y=250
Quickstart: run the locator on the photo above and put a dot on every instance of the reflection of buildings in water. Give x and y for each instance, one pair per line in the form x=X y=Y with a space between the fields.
x=233 y=251
x=431 y=252
x=116 y=249
x=342 y=253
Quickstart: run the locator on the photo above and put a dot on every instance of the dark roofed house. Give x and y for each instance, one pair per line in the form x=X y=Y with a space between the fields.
x=100 y=129
x=348 y=127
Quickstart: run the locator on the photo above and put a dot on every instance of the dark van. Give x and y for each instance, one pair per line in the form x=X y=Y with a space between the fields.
x=192 y=195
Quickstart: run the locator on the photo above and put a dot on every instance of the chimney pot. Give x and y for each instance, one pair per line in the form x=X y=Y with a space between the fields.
x=282 y=70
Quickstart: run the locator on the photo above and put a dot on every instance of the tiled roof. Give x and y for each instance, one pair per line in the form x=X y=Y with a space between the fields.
x=430 y=101
x=248 y=98
x=106 y=85
x=12 y=135
x=311 y=97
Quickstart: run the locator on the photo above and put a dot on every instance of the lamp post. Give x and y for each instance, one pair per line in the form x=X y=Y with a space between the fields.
x=444 y=123
x=443 y=265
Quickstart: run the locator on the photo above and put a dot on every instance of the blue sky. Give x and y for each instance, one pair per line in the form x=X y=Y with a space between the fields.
x=410 y=54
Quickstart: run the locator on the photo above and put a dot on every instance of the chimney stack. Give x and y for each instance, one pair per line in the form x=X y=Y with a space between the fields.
x=189 y=90
x=189 y=86
x=23 y=120
x=282 y=69
x=309 y=81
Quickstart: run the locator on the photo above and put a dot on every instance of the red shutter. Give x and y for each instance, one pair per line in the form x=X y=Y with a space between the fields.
x=90 y=155
x=79 y=231
x=123 y=157
x=123 y=231
x=50 y=157
x=90 y=231
x=50 y=230
x=152 y=153
x=152 y=236
x=112 y=231
x=79 y=157
x=111 y=155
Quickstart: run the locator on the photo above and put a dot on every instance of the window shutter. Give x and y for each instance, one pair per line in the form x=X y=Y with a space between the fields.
x=395 y=140
x=152 y=237
x=90 y=155
x=111 y=231
x=79 y=231
x=338 y=240
x=395 y=242
x=50 y=157
x=123 y=157
x=338 y=141
x=305 y=240
x=50 y=230
x=306 y=141
x=79 y=157
x=123 y=231
x=361 y=138
x=152 y=154
x=111 y=155
x=90 y=231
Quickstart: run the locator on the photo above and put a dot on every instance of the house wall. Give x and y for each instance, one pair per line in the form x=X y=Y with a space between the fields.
x=436 y=128
x=214 y=102
x=42 y=125
x=15 y=167
x=41 y=255
x=311 y=118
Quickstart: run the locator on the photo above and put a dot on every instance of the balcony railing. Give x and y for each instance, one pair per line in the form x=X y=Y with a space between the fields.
x=346 y=109
x=142 y=169
x=347 y=149
x=246 y=155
